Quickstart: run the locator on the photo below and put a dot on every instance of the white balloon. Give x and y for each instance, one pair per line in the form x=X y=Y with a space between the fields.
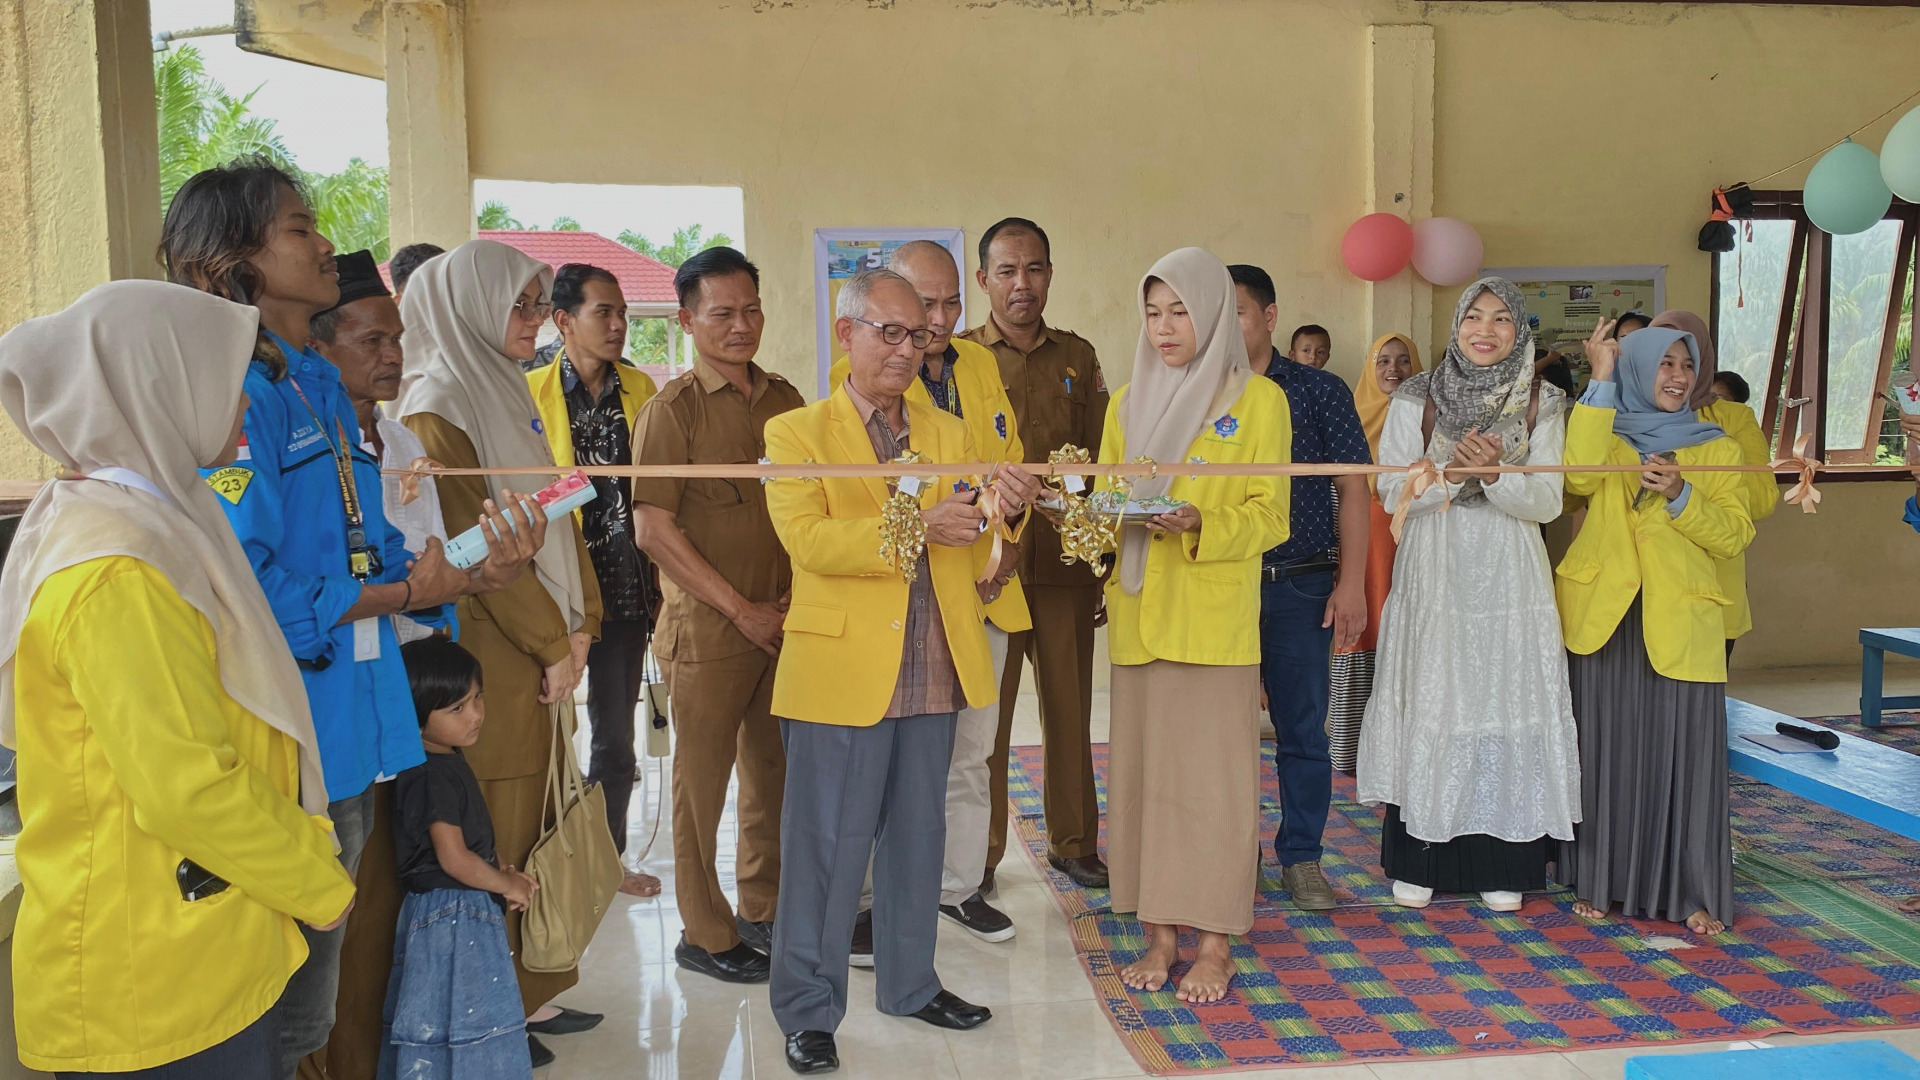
x=1447 y=251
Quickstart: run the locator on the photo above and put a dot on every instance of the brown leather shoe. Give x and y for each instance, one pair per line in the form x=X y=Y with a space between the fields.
x=1308 y=886
x=1087 y=871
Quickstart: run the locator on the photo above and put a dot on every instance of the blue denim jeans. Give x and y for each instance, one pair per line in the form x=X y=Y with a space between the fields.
x=1296 y=653
x=453 y=1005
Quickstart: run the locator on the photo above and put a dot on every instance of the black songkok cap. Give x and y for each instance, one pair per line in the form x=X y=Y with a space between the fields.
x=359 y=277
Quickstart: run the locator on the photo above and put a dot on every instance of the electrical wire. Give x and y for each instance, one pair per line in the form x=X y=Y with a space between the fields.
x=1890 y=111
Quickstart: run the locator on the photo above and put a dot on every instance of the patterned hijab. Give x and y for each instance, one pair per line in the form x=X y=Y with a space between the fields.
x=1166 y=408
x=1637 y=419
x=1467 y=397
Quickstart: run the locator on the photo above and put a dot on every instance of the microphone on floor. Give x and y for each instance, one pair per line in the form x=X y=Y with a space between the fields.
x=1825 y=740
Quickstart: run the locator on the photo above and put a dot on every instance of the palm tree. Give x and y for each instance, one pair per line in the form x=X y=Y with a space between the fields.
x=647 y=338
x=495 y=215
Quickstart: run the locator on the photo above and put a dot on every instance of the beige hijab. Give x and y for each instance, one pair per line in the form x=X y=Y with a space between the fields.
x=455 y=310
x=145 y=377
x=1167 y=407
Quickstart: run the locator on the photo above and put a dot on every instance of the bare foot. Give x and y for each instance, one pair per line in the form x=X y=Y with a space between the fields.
x=1703 y=923
x=641 y=885
x=1910 y=904
x=1149 y=973
x=1587 y=911
x=1212 y=971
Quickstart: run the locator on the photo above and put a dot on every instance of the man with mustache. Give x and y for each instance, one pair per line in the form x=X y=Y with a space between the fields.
x=1054 y=383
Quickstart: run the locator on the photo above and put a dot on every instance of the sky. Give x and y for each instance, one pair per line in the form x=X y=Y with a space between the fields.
x=326 y=118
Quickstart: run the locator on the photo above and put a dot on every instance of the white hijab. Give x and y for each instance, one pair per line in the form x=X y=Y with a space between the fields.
x=144 y=376
x=1168 y=407
x=455 y=309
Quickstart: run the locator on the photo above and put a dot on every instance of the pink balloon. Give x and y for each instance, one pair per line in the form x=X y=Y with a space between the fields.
x=1377 y=246
x=1447 y=251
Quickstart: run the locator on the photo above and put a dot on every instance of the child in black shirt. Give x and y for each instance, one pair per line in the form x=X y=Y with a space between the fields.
x=453 y=1003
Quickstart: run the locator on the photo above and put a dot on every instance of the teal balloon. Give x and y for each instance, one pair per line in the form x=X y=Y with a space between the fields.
x=1900 y=157
x=1844 y=192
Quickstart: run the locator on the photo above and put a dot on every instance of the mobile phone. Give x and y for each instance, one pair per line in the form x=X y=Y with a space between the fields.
x=197 y=882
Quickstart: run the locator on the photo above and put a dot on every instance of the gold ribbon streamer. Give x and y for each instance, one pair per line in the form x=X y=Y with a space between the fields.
x=1803 y=493
x=903 y=532
x=1421 y=475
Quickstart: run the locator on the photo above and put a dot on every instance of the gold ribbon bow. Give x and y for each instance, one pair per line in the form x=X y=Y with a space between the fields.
x=1803 y=492
x=1084 y=536
x=1421 y=475
x=903 y=532
x=410 y=480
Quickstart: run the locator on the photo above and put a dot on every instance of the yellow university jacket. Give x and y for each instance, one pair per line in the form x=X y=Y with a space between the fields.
x=133 y=758
x=1200 y=603
x=989 y=415
x=844 y=630
x=1669 y=561
x=636 y=388
x=1762 y=494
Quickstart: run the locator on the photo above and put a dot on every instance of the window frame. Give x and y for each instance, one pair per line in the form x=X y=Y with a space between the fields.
x=1801 y=346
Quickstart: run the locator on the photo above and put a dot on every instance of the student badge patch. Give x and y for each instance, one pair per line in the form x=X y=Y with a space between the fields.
x=1226 y=426
x=230 y=483
x=1000 y=424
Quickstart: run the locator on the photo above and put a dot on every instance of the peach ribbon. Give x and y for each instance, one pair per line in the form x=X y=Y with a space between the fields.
x=989 y=502
x=1803 y=492
x=410 y=479
x=1421 y=475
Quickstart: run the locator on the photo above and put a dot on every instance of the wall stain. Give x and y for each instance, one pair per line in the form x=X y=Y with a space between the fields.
x=1069 y=7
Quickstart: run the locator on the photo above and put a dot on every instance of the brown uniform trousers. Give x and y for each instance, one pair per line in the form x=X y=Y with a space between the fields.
x=719 y=684
x=1059 y=397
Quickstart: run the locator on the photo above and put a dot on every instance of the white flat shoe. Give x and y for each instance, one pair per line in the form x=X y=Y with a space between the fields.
x=1411 y=896
x=1502 y=901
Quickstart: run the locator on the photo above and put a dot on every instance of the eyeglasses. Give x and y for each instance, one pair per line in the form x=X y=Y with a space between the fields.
x=894 y=333
x=533 y=311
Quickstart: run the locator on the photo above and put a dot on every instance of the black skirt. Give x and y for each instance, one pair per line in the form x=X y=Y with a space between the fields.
x=1464 y=864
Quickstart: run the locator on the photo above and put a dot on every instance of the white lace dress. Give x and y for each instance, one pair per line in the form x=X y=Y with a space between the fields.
x=1470 y=727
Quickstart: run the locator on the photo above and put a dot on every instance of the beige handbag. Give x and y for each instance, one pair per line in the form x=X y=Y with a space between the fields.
x=574 y=862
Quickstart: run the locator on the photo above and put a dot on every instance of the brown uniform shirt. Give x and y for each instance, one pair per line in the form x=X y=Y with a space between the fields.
x=1059 y=396
x=700 y=419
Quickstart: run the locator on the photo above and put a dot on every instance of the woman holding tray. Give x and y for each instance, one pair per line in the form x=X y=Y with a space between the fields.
x=471 y=317
x=1640 y=602
x=1183 y=612
x=1469 y=738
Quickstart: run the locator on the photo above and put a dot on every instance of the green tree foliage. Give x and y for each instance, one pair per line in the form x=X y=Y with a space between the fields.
x=563 y=223
x=201 y=126
x=495 y=215
x=647 y=338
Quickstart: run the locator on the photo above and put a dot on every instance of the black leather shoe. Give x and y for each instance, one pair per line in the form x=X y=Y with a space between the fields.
x=861 y=954
x=812 y=1052
x=1087 y=871
x=946 y=1010
x=981 y=919
x=538 y=1051
x=569 y=1022
x=740 y=964
x=755 y=935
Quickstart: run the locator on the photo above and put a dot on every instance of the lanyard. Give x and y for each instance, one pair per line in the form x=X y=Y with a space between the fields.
x=362 y=560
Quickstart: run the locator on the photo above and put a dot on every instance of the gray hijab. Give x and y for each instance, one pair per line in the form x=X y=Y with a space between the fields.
x=1467 y=397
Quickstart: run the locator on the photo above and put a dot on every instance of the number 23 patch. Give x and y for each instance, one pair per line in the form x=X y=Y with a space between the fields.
x=230 y=483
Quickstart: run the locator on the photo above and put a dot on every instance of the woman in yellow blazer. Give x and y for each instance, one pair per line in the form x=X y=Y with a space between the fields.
x=1640 y=606
x=1760 y=490
x=165 y=746
x=1183 y=626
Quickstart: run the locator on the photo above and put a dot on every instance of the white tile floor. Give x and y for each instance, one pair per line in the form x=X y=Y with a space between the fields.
x=666 y=1023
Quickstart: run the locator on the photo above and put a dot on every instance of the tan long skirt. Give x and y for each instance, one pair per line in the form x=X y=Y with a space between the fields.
x=1183 y=794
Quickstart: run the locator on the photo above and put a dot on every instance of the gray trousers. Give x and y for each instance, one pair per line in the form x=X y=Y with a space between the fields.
x=304 y=1013
x=848 y=787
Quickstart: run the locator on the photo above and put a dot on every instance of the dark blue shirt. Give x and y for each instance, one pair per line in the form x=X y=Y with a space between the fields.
x=1326 y=430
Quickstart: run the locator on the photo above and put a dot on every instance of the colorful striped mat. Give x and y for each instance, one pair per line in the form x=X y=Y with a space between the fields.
x=1816 y=946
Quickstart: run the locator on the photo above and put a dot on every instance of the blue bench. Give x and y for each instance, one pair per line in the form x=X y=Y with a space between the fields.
x=1867 y=1059
x=1863 y=779
x=1874 y=647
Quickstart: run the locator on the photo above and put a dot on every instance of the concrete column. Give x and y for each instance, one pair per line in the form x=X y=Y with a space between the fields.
x=429 y=187
x=1400 y=165
x=79 y=163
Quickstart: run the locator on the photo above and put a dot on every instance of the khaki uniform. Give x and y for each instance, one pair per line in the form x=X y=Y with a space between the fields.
x=719 y=683
x=1059 y=396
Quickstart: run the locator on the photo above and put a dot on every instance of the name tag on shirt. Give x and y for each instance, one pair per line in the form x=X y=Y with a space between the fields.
x=910 y=486
x=366 y=639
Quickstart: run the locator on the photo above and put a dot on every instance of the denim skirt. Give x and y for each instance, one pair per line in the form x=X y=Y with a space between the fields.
x=453 y=1006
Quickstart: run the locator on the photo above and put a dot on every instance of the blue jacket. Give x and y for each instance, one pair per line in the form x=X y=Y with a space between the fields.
x=283 y=500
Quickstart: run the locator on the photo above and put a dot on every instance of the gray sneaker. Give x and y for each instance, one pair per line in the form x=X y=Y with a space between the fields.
x=1308 y=886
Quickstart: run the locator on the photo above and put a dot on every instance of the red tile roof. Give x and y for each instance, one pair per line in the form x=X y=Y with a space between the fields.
x=642 y=280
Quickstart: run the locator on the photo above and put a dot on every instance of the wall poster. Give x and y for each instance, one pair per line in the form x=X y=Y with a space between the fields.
x=1564 y=302
x=839 y=254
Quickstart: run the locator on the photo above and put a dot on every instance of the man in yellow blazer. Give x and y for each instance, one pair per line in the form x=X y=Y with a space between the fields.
x=963 y=378
x=587 y=400
x=872 y=672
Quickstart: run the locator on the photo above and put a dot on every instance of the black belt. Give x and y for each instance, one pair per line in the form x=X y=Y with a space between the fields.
x=1318 y=564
